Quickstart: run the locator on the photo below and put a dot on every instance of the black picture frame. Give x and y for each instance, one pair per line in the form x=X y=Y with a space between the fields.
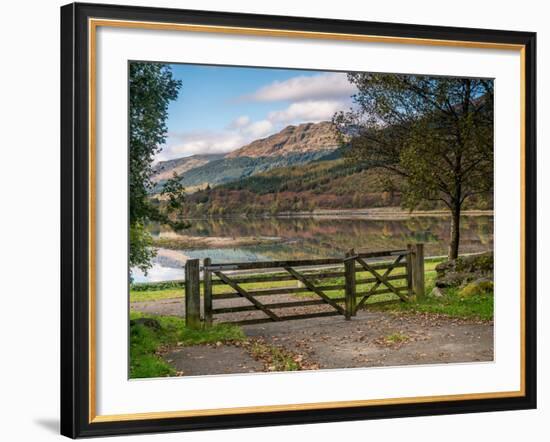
x=75 y=220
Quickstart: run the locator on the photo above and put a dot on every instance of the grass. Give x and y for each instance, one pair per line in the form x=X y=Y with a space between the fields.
x=454 y=304
x=473 y=307
x=277 y=359
x=155 y=295
x=147 y=342
x=170 y=290
x=396 y=338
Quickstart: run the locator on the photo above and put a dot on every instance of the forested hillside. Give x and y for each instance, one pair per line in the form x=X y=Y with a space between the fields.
x=295 y=170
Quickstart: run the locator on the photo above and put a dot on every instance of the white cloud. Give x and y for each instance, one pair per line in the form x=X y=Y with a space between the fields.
x=331 y=85
x=307 y=111
x=241 y=121
x=207 y=142
x=258 y=129
x=239 y=133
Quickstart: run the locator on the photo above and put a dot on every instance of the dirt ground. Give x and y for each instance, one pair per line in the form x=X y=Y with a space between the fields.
x=370 y=339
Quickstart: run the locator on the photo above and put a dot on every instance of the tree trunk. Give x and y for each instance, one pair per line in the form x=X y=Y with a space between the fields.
x=455 y=233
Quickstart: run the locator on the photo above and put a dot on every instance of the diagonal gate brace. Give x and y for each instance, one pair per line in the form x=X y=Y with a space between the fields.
x=314 y=289
x=381 y=279
x=246 y=295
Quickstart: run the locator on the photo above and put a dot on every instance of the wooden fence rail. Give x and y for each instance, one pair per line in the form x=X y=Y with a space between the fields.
x=309 y=275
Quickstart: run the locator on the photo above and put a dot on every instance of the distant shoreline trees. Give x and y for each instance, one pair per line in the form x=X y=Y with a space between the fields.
x=435 y=133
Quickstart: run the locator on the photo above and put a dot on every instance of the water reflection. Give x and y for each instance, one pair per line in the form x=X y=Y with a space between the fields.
x=296 y=238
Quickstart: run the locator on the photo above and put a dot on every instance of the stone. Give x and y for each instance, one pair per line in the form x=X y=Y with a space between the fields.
x=481 y=286
x=453 y=280
x=437 y=293
x=463 y=270
x=146 y=322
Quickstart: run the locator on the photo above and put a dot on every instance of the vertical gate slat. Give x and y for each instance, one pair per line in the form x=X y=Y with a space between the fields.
x=192 y=294
x=207 y=288
x=409 y=270
x=349 y=268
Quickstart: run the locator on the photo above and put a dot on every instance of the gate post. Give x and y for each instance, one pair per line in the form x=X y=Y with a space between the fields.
x=349 y=274
x=207 y=286
x=192 y=294
x=418 y=270
x=409 y=270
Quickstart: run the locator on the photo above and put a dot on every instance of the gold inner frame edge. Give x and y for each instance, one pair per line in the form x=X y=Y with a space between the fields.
x=93 y=24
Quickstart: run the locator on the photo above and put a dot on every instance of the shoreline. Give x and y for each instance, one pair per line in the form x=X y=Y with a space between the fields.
x=375 y=214
x=190 y=242
x=389 y=213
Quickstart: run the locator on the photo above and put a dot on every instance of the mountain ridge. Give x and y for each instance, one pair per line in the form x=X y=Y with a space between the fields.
x=305 y=137
x=293 y=145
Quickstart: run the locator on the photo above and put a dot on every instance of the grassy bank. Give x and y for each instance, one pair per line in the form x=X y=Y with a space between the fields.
x=454 y=304
x=147 y=343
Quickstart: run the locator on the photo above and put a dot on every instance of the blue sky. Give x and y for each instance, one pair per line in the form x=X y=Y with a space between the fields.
x=220 y=109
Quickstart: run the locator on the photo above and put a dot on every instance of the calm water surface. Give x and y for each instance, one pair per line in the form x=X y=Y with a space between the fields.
x=301 y=238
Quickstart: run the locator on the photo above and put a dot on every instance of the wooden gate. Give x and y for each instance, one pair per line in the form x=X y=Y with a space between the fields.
x=340 y=285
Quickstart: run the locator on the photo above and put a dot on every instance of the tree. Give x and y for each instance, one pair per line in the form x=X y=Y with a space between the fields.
x=175 y=192
x=435 y=133
x=152 y=87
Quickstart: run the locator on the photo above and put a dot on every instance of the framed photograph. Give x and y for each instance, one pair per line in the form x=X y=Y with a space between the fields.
x=274 y=220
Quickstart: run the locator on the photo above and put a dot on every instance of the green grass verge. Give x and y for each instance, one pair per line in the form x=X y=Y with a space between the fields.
x=155 y=295
x=146 y=342
x=454 y=304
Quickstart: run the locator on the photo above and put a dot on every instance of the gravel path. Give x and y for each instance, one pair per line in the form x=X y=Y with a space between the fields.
x=370 y=339
x=374 y=339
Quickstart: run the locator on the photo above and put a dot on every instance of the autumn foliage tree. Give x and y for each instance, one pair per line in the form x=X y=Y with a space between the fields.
x=435 y=133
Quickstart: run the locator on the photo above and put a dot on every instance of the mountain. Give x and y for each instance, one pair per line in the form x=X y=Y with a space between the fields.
x=165 y=169
x=294 y=145
x=307 y=137
x=227 y=170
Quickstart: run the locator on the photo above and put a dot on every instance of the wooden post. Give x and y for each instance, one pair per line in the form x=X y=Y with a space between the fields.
x=349 y=270
x=207 y=285
x=192 y=294
x=409 y=270
x=418 y=270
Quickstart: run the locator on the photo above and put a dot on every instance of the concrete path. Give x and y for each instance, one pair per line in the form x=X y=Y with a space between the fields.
x=211 y=359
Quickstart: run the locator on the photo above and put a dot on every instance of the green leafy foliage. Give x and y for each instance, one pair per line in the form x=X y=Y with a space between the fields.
x=435 y=133
x=141 y=251
x=152 y=87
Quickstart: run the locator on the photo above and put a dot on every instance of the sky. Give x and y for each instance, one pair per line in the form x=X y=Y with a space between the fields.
x=220 y=109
